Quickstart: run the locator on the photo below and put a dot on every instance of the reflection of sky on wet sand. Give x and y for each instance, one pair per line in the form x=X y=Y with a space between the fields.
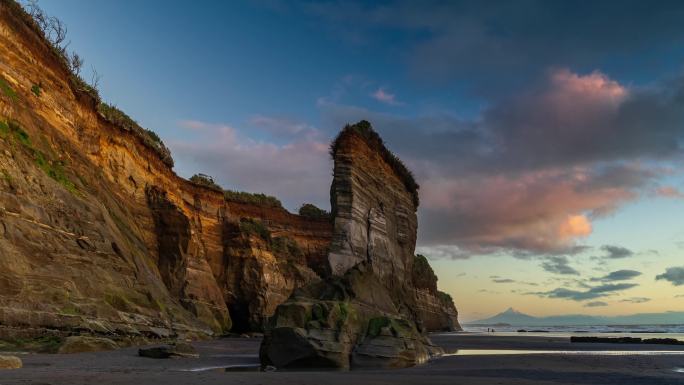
x=507 y=352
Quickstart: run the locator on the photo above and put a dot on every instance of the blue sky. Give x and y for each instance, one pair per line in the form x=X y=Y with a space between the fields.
x=543 y=134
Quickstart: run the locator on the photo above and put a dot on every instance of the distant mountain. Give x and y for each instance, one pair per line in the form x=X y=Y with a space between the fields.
x=515 y=318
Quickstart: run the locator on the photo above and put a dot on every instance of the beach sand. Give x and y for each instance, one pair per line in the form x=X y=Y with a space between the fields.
x=125 y=367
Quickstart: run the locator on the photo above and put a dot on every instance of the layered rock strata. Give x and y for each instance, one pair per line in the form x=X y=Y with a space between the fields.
x=366 y=314
x=435 y=309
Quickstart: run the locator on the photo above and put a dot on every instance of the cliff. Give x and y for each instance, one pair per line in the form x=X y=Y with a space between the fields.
x=98 y=234
x=436 y=309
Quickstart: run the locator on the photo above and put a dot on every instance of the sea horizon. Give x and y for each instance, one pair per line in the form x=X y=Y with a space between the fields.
x=638 y=330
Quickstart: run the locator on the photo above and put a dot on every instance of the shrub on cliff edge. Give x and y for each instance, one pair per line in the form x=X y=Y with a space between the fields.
x=150 y=138
x=252 y=198
x=311 y=211
x=423 y=275
x=206 y=181
x=444 y=297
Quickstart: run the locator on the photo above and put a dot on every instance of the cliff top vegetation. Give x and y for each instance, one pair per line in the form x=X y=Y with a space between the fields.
x=366 y=132
x=54 y=33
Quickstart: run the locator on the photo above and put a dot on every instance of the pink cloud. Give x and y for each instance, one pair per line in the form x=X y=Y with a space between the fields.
x=595 y=87
x=541 y=211
x=385 y=97
x=669 y=192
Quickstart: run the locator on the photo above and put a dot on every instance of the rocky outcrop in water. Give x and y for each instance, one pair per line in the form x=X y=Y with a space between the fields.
x=366 y=313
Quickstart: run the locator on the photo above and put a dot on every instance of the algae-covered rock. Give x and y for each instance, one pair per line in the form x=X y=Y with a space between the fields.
x=83 y=344
x=392 y=343
x=344 y=323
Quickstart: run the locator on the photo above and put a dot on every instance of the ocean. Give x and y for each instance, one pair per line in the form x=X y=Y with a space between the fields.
x=641 y=331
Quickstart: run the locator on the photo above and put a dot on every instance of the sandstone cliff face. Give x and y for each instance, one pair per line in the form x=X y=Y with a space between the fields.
x=260 y=273
x=98 y=234
x=435 y=309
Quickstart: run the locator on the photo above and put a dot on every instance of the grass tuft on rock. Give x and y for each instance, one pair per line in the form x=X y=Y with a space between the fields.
x=286 y=247
x=376 y=324
x=36 y=89
x=8 y=91
x=4 y=129
x=44 y=344
x=55 y=170
x=255 y=227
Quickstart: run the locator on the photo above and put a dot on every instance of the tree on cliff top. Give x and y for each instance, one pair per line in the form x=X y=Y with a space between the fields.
x=366 y=132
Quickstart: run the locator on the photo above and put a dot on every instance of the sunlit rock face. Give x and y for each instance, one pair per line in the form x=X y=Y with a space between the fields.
x=366 y=314
x=260 y=274
x=375 y=216
x=98 y=235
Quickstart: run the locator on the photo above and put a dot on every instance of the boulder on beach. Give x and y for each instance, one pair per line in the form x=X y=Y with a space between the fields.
x=343 y=323
x=10 y=362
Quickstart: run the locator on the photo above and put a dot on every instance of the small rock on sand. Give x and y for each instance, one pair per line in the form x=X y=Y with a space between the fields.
x=177 y=350
x=10 y=362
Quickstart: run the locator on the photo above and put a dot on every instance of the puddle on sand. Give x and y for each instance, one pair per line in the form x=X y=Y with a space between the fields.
x=230 y=368
x=493 y=352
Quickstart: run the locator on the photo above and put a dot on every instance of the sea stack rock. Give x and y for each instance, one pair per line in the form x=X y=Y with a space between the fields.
x=364 y=314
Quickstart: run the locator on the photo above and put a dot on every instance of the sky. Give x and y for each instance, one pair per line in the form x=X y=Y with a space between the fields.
x=546 y=136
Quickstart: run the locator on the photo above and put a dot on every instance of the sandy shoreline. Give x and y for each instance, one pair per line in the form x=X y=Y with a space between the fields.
x=124 y=367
